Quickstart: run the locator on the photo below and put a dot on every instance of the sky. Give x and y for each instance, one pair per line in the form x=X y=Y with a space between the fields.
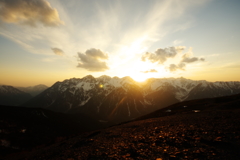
x=44 y=41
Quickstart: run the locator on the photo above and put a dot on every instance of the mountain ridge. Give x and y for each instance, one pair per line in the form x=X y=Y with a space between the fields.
x=121 y=99
x=10 y=95
x=33 y=90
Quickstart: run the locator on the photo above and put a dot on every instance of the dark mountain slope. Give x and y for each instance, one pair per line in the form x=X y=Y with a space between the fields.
x=12 y=96
x=33 y=90
x=162 y=98
x=24 y=129
x=212 y=133
x=199 y=105
x=118 y=106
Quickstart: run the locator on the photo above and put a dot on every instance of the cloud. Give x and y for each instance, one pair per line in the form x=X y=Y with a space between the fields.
x=161 y=55
x=150 y=71
x=91 y=60
x=58 y=51
x=187 y=59
x=183 y=62
x=29 y=12
x=174 y=67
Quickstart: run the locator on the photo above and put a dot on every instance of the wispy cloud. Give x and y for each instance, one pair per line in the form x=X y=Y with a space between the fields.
x=231 y=65
x=177 y=42
x=213 y=55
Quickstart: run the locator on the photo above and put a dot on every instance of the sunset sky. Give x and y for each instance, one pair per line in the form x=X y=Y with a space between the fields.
x=44 y=41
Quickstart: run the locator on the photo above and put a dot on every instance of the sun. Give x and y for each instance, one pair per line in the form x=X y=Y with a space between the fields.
x=141 y=73
x=140 y=77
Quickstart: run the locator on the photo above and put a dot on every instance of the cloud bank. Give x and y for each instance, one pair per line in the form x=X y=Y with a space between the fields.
x=29 y=12
x=161 y=55
x=58 y=51
x=92 y=60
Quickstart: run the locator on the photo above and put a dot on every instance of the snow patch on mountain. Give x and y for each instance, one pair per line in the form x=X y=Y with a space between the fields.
x=86 y=86
x=85 y=101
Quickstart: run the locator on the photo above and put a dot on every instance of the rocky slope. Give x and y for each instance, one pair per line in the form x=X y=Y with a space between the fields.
x=197 y=129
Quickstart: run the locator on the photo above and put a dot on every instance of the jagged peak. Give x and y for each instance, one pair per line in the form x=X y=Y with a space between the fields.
x=88 y=77
x=127 y=78
x=37 y=86
x=7 y=86
x=41 y=85
x=115 y=77
x=104 y=77
x=153 y=83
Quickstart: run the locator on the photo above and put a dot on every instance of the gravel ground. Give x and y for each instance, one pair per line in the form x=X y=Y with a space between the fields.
x=203 y=135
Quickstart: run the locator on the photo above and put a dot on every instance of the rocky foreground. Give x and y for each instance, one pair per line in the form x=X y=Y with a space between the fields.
x=213 y=135
x=212 y=132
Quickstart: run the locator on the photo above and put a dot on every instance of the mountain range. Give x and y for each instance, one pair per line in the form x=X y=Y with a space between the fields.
x=10 y=95
x=33 y=90
x=122 y=99
x=15 y=96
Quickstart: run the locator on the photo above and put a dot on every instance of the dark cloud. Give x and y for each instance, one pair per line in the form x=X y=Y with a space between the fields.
x=92 y=60
x=150 y=71
x=58 y=51
x=161 y=55
x=29 y=12
x=187 y=59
